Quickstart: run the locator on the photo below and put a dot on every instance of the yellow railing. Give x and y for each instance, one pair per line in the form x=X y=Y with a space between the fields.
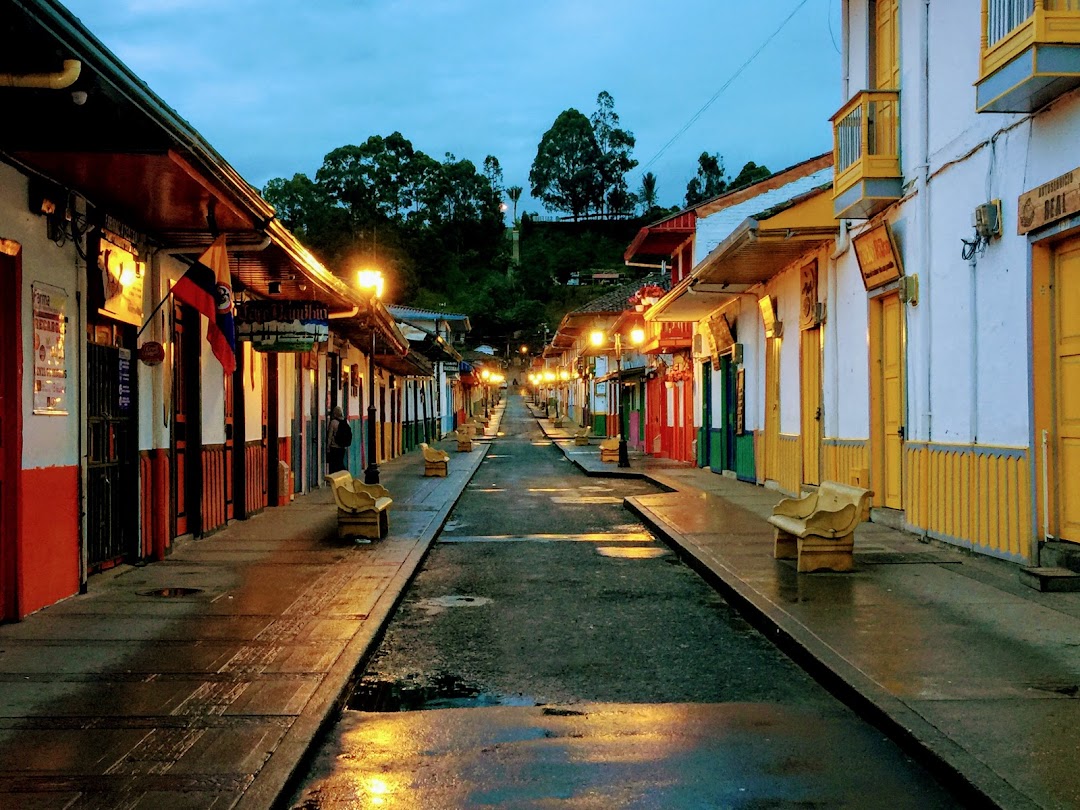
x=1011 y=26
x=866 y=138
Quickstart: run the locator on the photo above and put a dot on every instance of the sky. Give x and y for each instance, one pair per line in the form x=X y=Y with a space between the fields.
x=274 y=85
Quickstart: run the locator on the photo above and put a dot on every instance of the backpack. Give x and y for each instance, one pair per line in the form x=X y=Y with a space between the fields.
x=343 y=436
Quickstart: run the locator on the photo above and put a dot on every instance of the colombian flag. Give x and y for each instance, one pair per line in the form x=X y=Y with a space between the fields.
x=207 y=287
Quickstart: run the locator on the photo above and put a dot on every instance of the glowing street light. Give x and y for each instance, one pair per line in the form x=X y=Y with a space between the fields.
x=372 y=282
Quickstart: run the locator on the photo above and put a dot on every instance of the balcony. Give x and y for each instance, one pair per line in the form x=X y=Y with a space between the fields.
x=1030 y=54
x=866 y=154
x=665 y=337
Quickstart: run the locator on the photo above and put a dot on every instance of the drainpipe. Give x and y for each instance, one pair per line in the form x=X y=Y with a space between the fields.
x=45 y=81
x=924 y=213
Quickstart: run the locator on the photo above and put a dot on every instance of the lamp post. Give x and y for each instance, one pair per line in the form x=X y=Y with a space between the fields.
x=485 y=375
x=637 y=337
x=371 y=280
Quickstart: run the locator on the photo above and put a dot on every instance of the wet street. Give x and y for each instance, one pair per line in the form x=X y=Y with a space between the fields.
x=552 y=653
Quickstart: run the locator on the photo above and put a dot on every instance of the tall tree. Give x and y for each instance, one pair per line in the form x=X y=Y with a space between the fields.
x=615 y=145
x=748 y=175
x=494 y=173
x=565 y=174
x=514 y=193
x=647 y=196
x=710 y=180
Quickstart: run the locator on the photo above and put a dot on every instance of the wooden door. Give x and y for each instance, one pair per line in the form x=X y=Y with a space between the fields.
x=1066 y=357
x=772 y=408
x=887 y=400
x=810 y=351
x=10 y=428
x=187 y=428
x=229 y=478
x=885 y=76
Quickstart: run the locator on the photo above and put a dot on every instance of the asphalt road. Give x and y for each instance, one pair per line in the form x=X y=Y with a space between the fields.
x=552 y=653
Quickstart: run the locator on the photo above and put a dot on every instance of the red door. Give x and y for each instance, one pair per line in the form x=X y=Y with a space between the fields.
x=180 y=424
x=10 y=424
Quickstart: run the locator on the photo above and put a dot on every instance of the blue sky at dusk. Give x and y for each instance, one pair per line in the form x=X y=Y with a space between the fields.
x=274 y=85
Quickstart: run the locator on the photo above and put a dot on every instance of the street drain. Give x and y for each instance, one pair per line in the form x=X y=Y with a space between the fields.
x=440 y=691
x=171 y=593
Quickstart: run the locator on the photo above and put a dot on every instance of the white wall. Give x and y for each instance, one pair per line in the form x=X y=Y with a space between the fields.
x=48 y=441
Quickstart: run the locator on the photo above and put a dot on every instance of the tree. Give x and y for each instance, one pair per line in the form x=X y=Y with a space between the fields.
x=565 y=174
x=615 y=145
x=647 y=197
x=750 y=174
x=710 y=180
x=494 y=174
x=514 y=193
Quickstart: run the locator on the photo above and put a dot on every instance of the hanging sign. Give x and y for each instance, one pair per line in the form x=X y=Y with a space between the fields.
x=152 y=353
x=50 y=366
x=1049 y=202
x=720 y=338
x=122 y=279
x=282 y=326
x=878 y=258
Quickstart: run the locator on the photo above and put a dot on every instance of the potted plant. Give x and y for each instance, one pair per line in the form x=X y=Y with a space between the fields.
x=646 y=296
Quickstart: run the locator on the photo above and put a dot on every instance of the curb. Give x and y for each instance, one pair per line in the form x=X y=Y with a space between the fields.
x=964 y=774
x=275 y=782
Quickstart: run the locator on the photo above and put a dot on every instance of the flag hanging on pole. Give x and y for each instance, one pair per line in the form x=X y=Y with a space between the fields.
x=208 y=288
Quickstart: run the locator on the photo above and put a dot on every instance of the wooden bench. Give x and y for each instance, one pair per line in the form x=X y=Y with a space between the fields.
x=819 y=529
x=609 y=449
x=581 y=436
x=361 y=508
x=436 y=462
x=463 y=439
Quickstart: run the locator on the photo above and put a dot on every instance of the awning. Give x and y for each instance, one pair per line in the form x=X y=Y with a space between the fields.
x=412 y=364
x=661 y=239
x=628 y=374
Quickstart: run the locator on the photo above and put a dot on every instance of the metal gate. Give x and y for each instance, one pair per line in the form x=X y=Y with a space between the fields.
x=112 y=502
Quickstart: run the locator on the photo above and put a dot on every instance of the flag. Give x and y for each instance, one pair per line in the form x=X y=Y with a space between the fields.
x=208 y=288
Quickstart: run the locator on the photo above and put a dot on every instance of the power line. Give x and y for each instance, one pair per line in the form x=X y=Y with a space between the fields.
x=725 y=86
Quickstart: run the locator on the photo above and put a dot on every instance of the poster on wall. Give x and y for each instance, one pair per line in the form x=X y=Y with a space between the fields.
x=122 y=279
x=50 y=365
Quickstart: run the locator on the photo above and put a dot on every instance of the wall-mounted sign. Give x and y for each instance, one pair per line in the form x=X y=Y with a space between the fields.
x=720 y=338
x=879 y=260
x=1049 y=202
x=122 y=279
x=767 y=307
x=50 y=367
x=282 y=326
x=152 y=353
x=808 y=297
x=124 y=380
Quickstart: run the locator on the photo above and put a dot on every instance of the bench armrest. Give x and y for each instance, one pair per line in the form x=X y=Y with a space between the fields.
x=354 y=500
x=839 y=522
x=797 y=507
x=374 y=490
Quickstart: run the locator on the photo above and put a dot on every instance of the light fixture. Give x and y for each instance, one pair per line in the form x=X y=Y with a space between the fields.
x=597 y=338
x=637 y=336
x=78 y=97
x=371 y=280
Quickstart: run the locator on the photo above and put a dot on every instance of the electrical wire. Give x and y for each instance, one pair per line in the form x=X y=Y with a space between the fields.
x=724 y=86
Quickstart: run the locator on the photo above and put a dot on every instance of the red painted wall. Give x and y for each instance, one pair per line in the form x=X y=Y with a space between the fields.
x=48 y=536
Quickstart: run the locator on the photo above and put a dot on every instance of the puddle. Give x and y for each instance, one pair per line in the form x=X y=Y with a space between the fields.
x=440 y=691
x=437 y=604
x=631 y=553
x=171 y=593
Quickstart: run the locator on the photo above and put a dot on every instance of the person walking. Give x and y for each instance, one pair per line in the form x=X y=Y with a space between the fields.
x=338 y=440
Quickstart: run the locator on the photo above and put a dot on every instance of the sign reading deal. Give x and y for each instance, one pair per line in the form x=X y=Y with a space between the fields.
x=282 y=326
x=878 y=258
x=1049 y=202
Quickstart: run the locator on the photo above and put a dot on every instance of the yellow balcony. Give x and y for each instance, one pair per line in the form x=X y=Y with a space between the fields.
x=1030 y=53
x=866 y=154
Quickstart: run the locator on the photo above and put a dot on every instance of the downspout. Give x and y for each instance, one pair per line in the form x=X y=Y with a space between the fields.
x=843 y=241
x=45 y=81
x=924 y=213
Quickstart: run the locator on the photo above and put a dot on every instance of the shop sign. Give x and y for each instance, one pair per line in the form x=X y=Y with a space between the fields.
x=152 y=353
x=879 y=260
x=50 y=366
x=1049 y=202
x=720 y=338
x=122 y=279
x=124 y=379
x=282 y=326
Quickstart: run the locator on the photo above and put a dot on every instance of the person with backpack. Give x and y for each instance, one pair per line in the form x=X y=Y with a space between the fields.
x=338 y=440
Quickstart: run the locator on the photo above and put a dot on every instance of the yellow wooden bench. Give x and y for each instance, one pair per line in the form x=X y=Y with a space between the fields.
x=581 y=436
x=463 y=437
x=361 y=508
x=609 y=449
x=436 y=462
x=819 y=529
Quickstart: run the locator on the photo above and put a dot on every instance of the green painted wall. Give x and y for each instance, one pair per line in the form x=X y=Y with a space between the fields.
x=744 y=457
x=599 y=424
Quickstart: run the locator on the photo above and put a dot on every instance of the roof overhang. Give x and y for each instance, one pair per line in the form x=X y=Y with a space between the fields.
x=410 y=364
x=663 y=238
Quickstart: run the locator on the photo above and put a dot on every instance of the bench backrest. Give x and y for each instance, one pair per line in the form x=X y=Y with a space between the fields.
x=431 y=454
x=833 y=496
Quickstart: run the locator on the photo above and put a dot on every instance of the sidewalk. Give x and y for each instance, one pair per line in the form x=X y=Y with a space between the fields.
x=945 y=650
x=210 y=697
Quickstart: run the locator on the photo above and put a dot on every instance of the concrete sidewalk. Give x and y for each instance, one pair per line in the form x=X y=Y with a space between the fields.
x=945 y=650
x=202 y=680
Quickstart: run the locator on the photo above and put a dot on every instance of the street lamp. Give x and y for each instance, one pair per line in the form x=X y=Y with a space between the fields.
x=485 y=375
x=372 y=281
x=637 y=337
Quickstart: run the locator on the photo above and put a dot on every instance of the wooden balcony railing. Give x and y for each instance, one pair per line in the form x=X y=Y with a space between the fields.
x=866 y=139
x=1011 y=26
